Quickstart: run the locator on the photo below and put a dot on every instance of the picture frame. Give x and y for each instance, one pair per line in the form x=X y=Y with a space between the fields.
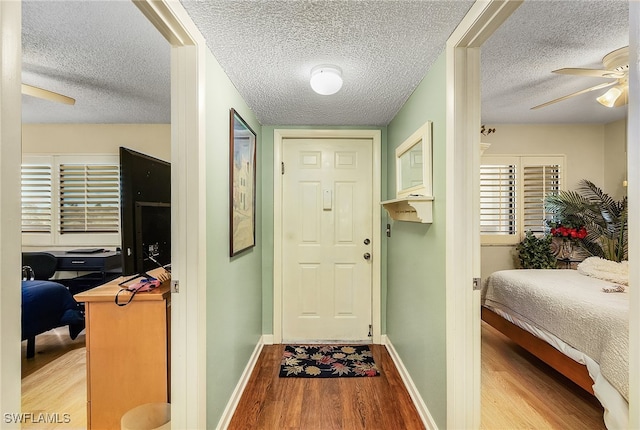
x=242 y=185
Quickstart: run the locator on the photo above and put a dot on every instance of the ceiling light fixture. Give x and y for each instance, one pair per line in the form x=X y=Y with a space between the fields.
x=615 y=97
x=326 y=79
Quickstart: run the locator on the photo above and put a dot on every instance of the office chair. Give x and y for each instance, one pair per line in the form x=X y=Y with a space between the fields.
x=43 y=265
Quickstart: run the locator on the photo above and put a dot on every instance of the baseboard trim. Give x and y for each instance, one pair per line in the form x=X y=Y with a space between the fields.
x=423 y=411
x=229 y=410
x=267 y=339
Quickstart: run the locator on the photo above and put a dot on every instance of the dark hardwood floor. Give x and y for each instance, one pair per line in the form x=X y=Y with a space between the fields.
x=271 y=402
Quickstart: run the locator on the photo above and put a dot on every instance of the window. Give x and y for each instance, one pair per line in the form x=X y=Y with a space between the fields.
x=36 y=198
x=512 y=191
x=497 y=199
x=71 y=200
x=89 y=198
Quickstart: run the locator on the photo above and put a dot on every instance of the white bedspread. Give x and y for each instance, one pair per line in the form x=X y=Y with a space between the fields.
x=573 y=308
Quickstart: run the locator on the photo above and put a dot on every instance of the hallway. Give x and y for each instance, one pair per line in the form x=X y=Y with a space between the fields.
x=270 y=402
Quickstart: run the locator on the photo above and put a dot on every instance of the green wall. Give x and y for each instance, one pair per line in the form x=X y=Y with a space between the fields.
x=234 y=285
x=416 y=254
x=267 y=219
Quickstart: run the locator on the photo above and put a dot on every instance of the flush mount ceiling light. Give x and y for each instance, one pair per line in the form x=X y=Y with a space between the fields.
x=326 y=79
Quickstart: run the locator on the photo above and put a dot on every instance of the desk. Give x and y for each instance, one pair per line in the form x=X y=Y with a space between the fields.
x=105 y=261
x=100 y=267
x=127 y=351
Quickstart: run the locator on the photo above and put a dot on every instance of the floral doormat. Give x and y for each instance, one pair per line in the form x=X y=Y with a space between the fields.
x=327 y=361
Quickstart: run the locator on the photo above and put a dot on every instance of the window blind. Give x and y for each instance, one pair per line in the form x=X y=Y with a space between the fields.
x=538 y=181
x=36 y=198
x=512 y=192
x=89 y=198
x=497 y=199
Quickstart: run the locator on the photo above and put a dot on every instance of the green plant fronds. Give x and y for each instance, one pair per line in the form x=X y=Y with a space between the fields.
x=604 y=218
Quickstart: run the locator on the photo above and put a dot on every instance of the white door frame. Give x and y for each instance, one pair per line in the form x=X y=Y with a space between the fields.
x=188 y=355
x=10 y=240
x=633 y=194
x=278 y=136
x=188 y=203
x=463 y=232
x=463 y=124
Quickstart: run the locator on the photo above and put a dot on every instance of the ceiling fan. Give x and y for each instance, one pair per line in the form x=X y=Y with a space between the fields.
x=616 y=67
x=41 y=93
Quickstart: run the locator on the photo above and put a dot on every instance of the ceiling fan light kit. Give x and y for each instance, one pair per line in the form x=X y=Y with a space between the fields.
x=326 y=79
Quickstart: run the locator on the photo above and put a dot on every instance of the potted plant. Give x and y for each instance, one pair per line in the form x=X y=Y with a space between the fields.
x=535 y=252
x=603 y=218
x=565 y=234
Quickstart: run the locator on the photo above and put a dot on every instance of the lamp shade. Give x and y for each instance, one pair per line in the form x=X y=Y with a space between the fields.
x=326 y=79
x=615 y=97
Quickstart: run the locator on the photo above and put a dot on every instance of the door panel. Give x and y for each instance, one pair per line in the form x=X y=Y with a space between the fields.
x=326 y=207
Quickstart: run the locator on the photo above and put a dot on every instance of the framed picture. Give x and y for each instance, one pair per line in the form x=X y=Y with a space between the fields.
x=242 y=183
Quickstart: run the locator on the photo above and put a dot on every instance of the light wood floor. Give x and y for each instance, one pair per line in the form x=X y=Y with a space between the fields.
x=55 y=381
x=270 y=402
x=521 y=392
x=518 y=392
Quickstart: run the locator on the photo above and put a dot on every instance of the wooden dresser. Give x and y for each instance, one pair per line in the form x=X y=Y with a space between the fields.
x=127 y=351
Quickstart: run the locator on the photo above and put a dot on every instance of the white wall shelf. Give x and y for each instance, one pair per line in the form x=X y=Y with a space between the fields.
x=410 y=208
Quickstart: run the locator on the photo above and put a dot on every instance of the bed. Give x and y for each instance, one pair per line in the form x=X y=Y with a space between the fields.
x=45 y=306
x=567 y=319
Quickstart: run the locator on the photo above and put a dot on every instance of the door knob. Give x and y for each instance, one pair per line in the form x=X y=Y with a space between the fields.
x=367 y=256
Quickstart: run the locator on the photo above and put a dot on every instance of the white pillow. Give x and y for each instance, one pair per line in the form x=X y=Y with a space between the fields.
x=605 y=269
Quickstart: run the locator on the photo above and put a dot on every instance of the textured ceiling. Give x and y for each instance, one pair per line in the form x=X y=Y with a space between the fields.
x=108 y=57
x=541 y=36
x=268 y=48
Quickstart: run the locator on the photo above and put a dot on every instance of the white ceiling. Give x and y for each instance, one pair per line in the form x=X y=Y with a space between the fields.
x=108 y=57
x=268 y=48
x=542 y=36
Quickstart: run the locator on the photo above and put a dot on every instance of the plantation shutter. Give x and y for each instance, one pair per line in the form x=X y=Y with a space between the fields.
x=36 y=198
x=89 y=198
x=538 y=181
x=512 y=192
x=497 y=199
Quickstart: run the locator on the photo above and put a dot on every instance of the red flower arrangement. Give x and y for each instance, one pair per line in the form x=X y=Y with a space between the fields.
x=569 y=232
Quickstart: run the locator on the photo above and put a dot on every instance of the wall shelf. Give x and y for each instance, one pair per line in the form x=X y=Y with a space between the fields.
x=411 y=208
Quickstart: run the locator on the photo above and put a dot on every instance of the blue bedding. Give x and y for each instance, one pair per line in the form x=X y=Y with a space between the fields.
x=47 y=305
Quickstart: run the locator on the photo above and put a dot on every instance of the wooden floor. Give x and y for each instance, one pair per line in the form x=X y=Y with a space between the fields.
x=50 y=346
x=271 y=402
x=55 y=381
x=521 y=392
x=518 y=392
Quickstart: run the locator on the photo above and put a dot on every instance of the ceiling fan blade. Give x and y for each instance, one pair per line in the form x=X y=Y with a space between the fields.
x=597 y=87
x=612 y=74
x=30 y=90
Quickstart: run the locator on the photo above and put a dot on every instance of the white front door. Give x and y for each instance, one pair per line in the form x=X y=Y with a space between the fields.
x=326 y=239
